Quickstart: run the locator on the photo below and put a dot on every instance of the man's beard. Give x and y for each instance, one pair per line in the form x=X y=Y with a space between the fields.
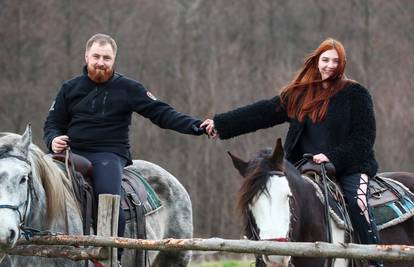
x=99 y=75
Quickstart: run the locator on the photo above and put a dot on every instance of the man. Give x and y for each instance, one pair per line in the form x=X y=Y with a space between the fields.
x=92 y=112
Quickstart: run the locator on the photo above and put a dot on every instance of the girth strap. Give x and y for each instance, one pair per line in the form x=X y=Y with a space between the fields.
x=137 y=206
x=141 y=255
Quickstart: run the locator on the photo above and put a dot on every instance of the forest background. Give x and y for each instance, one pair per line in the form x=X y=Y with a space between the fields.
x=205 y=57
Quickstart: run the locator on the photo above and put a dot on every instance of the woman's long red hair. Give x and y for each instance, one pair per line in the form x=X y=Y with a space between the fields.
x=304 y=95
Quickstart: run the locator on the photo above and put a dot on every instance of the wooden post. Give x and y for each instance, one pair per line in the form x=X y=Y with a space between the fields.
x=108 y=213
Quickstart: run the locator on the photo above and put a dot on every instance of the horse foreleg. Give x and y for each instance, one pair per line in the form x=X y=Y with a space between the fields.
x=4 y=262
x=276 y=261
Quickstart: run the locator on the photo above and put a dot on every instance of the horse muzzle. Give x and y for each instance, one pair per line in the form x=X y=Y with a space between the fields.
x=9 y=232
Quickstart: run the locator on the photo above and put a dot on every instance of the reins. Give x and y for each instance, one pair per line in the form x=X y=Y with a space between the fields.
x=300 y=163
x=327 y=187
x=71 y=179
x=328 y=232
x=325 y=193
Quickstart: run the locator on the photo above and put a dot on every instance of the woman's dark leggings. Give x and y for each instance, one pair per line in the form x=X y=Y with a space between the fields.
x=107 y=177
x=355 y=189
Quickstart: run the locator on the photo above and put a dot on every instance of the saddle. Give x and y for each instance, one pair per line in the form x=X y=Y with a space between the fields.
x=390 y=201
x=80 y=171
x=310 y=166
x=138 y=198
x=80 y=163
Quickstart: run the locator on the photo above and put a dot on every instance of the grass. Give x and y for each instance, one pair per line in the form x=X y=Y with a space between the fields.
x=229 y=263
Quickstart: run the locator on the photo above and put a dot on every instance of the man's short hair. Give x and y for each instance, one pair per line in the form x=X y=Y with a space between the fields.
x=101 y=39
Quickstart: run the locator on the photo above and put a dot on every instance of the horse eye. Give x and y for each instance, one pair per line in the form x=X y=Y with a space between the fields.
x=23 y=180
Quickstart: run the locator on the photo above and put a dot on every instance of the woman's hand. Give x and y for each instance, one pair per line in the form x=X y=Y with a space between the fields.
x=209 y=125
x=320 y=158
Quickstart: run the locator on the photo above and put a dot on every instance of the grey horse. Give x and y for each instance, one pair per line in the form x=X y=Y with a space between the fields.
x=35 y=193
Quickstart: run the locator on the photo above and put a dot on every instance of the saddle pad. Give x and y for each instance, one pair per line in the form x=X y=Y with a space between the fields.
x=390 y=206
x=336 y=210
x=138 y=192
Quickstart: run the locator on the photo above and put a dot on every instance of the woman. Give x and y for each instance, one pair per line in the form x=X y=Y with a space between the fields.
x=330 y=117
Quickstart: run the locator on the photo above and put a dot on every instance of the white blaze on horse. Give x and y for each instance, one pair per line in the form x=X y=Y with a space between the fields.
x=279 y=204
x=35 y=193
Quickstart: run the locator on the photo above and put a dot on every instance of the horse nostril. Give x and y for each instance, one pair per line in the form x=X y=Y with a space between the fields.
x=12 y=236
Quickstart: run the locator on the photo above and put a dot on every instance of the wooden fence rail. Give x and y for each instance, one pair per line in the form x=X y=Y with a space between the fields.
x=56 y=251
x=103 y=246
x=298 y=249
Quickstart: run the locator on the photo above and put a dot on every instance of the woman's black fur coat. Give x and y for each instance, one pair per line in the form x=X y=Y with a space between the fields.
x=350 y=121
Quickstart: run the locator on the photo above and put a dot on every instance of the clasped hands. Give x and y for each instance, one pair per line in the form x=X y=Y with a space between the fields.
x=208 y=124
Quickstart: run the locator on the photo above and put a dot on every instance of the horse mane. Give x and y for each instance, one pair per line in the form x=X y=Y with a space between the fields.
x=254 y=184
x=57 y=186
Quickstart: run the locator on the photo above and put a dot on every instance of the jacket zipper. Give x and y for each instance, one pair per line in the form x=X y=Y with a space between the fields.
x=93 y=101
x=104 y=103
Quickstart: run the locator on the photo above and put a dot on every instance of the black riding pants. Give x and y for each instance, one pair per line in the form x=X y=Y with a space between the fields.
x=107 y=177
x=355 y=189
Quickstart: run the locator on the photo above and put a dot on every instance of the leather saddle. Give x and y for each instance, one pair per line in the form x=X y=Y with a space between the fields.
x=310 y=166
x=78 y=162
x=390 y=201
x=80 y=171
x=134 y=199
x=134 y=192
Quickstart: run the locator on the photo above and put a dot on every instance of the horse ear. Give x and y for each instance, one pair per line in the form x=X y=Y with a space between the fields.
x=290 y=170
x=26 y=139
x=278 y=154
x=239 y=164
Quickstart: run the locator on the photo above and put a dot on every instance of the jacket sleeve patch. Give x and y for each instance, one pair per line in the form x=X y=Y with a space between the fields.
x=151 y=96
x=52 y=107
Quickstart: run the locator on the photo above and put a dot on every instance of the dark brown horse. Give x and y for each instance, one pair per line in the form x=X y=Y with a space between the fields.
x=278 y=203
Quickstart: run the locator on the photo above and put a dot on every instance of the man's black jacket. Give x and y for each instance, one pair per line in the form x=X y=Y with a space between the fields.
x=101 y=124
x=350 y=122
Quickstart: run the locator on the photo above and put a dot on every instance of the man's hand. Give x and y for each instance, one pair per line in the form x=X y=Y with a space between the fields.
x=209 y=125
x=319 y=158
x=60 y=143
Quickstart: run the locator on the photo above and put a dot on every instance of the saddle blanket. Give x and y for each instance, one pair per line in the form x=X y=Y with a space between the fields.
x=137 y=192
x=391 y=202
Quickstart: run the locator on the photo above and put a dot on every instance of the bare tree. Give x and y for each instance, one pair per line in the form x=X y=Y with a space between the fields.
x=206 y=57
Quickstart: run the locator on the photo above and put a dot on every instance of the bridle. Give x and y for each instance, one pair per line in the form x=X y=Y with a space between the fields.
x=22 y=217
x=253 y=226
x=254 y=231
x=256 y=236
